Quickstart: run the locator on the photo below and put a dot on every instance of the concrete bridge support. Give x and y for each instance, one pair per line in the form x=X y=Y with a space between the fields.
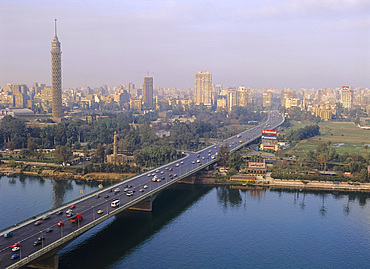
x=145 y=205
x=51 y=262
x=188 y=180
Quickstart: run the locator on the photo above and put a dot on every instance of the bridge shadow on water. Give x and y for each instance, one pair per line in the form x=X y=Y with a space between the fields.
x=117 y=237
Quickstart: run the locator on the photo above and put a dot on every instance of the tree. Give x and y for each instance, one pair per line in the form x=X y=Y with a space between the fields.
x=61 y=154
x=223 y=155
x=100 y=153
x=235 y=160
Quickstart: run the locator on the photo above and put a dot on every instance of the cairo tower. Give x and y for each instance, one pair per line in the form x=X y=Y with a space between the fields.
x=56 y=77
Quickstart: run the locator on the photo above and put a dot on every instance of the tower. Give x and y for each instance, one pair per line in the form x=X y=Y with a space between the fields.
x=56 y=76
x=203 y=88
x=148 y=93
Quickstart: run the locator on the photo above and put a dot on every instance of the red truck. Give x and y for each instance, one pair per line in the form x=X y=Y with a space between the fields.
x=77 y=218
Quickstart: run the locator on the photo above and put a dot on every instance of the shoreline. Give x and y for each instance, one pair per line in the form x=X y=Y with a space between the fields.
x=204 y=180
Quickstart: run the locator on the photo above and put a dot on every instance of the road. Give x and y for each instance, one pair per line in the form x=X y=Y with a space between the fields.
x=89 y=206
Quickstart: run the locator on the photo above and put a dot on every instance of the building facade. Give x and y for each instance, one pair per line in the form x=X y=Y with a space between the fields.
x=148 y=93
x=203 y=88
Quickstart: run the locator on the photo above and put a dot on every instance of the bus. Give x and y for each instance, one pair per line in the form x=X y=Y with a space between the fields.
x=115 y=203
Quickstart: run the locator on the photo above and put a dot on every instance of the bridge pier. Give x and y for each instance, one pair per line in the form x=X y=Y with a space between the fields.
x=188 y=180
x=51 y=262
x=145 y=205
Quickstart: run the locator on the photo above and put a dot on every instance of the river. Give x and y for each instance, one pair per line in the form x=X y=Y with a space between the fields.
x=196 y=226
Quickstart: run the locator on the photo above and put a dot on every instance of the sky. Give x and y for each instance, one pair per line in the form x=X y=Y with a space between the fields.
x=252 y=43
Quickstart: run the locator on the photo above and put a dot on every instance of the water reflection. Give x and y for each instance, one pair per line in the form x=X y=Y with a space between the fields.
x=352 y=197
x=130 y=229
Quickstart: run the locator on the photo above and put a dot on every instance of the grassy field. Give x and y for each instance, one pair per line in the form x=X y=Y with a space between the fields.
x=345 y=137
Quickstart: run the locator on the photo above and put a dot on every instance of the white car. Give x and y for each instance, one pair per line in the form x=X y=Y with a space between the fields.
x=145 y=186
x=15 y=249
x=177 y=165
x=46 y=217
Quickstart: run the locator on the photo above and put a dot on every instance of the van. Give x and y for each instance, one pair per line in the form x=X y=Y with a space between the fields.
x=115 y=203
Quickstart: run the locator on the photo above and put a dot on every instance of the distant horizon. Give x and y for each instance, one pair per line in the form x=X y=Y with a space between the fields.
x=258 y=44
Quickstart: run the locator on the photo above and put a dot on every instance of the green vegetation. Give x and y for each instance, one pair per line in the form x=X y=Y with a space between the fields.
x=343 y=136
x=135 y=134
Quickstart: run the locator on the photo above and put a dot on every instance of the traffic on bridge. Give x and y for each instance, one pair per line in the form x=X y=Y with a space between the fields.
x=48 y=234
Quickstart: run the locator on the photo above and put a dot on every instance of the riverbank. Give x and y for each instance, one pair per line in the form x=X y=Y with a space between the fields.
x=290 y=184
x=48 y=173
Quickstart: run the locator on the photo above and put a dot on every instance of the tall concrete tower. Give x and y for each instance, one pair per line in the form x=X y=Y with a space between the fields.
x=148 y=93
x=56 y=76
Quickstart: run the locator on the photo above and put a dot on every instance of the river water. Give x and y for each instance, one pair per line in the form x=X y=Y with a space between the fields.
x=195 y=226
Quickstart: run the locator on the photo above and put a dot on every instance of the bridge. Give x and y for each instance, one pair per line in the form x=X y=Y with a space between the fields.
x=136 y=193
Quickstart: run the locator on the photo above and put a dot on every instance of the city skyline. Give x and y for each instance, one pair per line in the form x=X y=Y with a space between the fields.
x=259 y=44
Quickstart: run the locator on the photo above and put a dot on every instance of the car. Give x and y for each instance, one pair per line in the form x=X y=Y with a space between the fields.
x=100 y=211
x=166 y=168
x=49 y=230
x=72 y=206
x=60 y=224
x=36 y=243
x=38 y=222
x=153 y=174
x=157 y=171
x=200 y=164
x=8 y=234
x=177 y=165
x=198 y=155
x=14 y=256
x=145 y=186
x=174 y=175
x=40 y=238
x=171 y=169
x=162 y=172
x=203 y=158
x=182 y=162
x=141 y=190
x=149 y=175
x=198 y=161
x=130 y=193
x=15 y=249
x=126 y=189
x=70 y=214
x=158 y=180
x=59 y=213
x=97 y=196
x=193 y=162
x=170 y=175
x=46 y=217
x=129 y=186
x=15 y=245
x=210 y=151
x=154 y=179
x=106 y=196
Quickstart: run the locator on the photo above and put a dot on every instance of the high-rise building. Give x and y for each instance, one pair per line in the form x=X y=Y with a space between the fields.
x=56 y=76
x=148 y=93
x=203 y=88
x=346 y=96
x=267 y=99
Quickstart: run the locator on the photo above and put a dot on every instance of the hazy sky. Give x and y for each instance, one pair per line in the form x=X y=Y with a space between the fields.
x=255 y=43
